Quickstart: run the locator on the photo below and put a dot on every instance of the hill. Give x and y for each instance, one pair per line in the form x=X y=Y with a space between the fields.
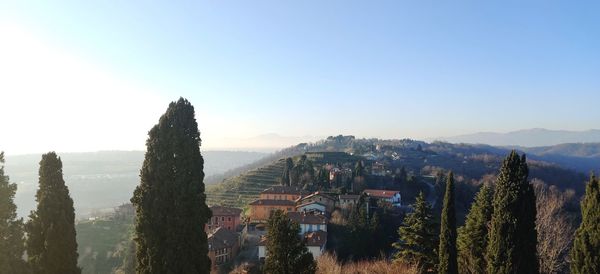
x=528 y=137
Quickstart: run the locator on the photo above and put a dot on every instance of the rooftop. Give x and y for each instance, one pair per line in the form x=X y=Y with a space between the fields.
x=380 y=193
x=225 y=211
x=307 y=218
x=221 y=238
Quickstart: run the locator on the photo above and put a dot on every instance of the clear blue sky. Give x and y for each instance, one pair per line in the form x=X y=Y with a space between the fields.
x=387 y=69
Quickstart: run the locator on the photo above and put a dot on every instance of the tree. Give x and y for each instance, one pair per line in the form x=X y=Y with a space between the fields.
x=512 y=236
x=359 y=169
x=473 y=236
x=554 y=227
x=585 y=254
x=286 y=251
x=51 y=244
x=170 y=203
x=12 y=240
x=418 y=240
x=287 y=168
x=447 y=251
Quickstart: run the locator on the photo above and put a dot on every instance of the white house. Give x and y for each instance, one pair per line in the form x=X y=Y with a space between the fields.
x=309 y=222
x=391 y=196
x=314 y=207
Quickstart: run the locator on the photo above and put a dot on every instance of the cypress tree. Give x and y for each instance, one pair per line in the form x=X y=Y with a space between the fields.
x=512 y=236
x=447 y=251
x=170 y=203
x=417 y=238
x=287 y=168
x=12 y=241
x=585 y=254
x=473 y=236
x=51 y=245
x=286 y=251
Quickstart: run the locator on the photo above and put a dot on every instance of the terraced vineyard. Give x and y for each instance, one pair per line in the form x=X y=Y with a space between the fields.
x=240 y=190
x=243 y=189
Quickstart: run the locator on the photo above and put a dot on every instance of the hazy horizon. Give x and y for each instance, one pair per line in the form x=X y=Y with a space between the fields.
x=385 y=70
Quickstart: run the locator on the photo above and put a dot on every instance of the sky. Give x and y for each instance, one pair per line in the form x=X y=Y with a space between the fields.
x=97 y=75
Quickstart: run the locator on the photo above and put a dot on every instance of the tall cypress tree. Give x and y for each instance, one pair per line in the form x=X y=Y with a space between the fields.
x=417 y=239
x=51 y=245
x=286 y=251
x=12 y=241
x=473 y=236
x=585 y=254
x=287 y=168
x=170 y=203
x=512 y=236
x=447 y=251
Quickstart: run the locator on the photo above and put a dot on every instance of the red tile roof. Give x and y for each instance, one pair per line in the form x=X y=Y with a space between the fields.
x=380 y=193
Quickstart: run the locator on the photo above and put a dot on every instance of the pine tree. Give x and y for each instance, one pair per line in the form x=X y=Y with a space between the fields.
x=418 y=239
x=585 y=254
x=51 y=245
x=473 y=236
x=285 y=178
x=12 y=240
x=512 y=236
x=286 y=251
x=447 y=251
x=170 y=203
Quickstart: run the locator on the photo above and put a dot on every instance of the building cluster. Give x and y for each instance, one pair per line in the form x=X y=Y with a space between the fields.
x=310 y=210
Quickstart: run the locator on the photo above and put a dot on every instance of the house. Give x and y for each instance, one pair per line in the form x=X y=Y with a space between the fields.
x=273 y=198
x=309 y=222
x=391 y=196
x=321 y=198
x=312 y=207
x=261 y=209
x=223 y=246
x=290 y=193
x=226 y=217
x=348 y=201
x=315 y=242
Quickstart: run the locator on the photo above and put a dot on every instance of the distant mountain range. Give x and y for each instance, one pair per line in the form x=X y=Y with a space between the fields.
x=535 y=137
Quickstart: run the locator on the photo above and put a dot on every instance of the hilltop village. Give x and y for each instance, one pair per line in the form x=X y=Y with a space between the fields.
x=239 y=235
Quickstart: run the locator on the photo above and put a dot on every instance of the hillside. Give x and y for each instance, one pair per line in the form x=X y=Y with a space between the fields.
x=238 y=191
x=471 y=162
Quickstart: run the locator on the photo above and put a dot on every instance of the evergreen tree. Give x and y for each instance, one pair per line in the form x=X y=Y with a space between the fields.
x=12 y=241
x=585 y=254
x=170 y=203
x=512 y=236
x=286 y=251
x=359 y=169
x=447 y=251
x=51 y=245
x=287 y=168
x=418 y=239
x=473 y=236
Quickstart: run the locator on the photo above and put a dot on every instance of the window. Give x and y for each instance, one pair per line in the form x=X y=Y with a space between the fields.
x=229 y=219
x=222 y=219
